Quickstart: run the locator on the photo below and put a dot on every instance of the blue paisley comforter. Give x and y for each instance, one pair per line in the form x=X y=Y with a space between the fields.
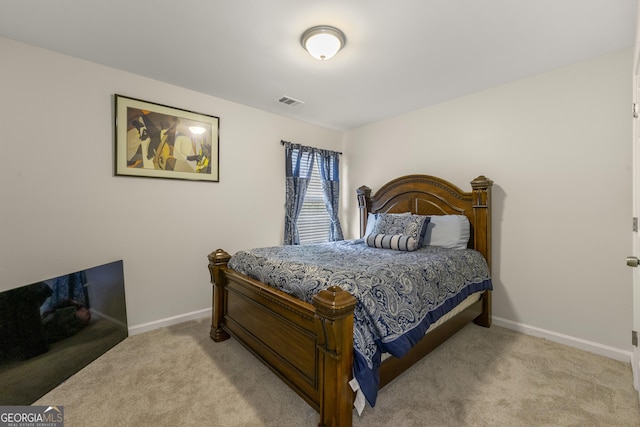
x=399 y=293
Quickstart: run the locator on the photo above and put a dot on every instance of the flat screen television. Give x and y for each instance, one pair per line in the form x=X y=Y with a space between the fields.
x=49 y=330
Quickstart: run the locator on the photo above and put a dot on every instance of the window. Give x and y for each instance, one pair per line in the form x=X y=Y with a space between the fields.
x=312 y=193
x=314 y=223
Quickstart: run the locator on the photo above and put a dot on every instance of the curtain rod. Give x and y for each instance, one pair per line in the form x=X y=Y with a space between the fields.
x=282 y=142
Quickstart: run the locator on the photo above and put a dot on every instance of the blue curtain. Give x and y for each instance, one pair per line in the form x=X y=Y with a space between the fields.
x=296 y=156
x=328 y=164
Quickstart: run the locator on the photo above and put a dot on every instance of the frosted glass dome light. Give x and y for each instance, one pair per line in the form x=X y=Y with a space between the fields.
x=323 y=41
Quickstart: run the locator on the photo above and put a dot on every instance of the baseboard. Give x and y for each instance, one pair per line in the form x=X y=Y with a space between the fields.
x=146 y=327
x=590 y=346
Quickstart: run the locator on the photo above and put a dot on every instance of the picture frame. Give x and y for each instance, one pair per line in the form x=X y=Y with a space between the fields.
x=158 y=141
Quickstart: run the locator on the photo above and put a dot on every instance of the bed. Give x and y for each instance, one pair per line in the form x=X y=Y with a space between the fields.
x=310 y=345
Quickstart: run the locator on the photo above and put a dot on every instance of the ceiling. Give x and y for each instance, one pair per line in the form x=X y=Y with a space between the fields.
x=397 y=58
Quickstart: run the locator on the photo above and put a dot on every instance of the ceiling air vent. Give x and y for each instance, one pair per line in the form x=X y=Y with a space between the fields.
x=290 y=101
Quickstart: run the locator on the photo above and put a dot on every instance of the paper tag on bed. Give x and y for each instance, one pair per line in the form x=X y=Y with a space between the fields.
x=360 y=400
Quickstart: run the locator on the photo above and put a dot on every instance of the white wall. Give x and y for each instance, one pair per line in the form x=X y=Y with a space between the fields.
x=62 y=210
x=558 y=147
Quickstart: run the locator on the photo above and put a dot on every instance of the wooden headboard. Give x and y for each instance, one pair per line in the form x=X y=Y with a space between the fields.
x=429 y=195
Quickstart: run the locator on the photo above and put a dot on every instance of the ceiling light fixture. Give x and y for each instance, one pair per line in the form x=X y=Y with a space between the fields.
x=323 y=41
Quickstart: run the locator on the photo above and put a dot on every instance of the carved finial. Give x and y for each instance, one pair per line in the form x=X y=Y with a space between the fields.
x=334 y=302
x=364 y=190
x=219 y=256
x=481 y=182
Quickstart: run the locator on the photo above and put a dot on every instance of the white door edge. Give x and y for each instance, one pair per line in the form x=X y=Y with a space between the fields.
x=635 y=362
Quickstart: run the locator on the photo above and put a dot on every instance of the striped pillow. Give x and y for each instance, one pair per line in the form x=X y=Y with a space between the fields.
x=399 y=242
x=405 y=224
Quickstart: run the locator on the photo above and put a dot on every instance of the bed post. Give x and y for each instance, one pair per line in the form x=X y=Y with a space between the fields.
x=481 y=190
x=334 y=325
x=217 y=260
x=364 y=194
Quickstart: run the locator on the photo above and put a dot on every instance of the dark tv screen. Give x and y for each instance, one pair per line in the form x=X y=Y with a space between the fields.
x=49 y=330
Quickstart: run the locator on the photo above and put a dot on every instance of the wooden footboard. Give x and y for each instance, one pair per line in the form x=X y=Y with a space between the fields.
x=309 y=346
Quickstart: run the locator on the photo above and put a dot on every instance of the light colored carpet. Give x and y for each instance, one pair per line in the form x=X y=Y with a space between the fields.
x=177 y=376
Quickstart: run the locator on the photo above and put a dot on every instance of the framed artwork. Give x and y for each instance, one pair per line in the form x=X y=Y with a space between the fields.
x=154 y=140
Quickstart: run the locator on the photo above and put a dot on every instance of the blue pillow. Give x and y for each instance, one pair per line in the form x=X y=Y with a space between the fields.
x=408 y=225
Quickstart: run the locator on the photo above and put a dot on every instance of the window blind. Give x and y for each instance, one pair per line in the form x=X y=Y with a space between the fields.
x=314 y=222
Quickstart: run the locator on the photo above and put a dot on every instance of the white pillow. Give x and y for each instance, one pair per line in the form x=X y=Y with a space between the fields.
x=448 y=231
x=371 y=223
